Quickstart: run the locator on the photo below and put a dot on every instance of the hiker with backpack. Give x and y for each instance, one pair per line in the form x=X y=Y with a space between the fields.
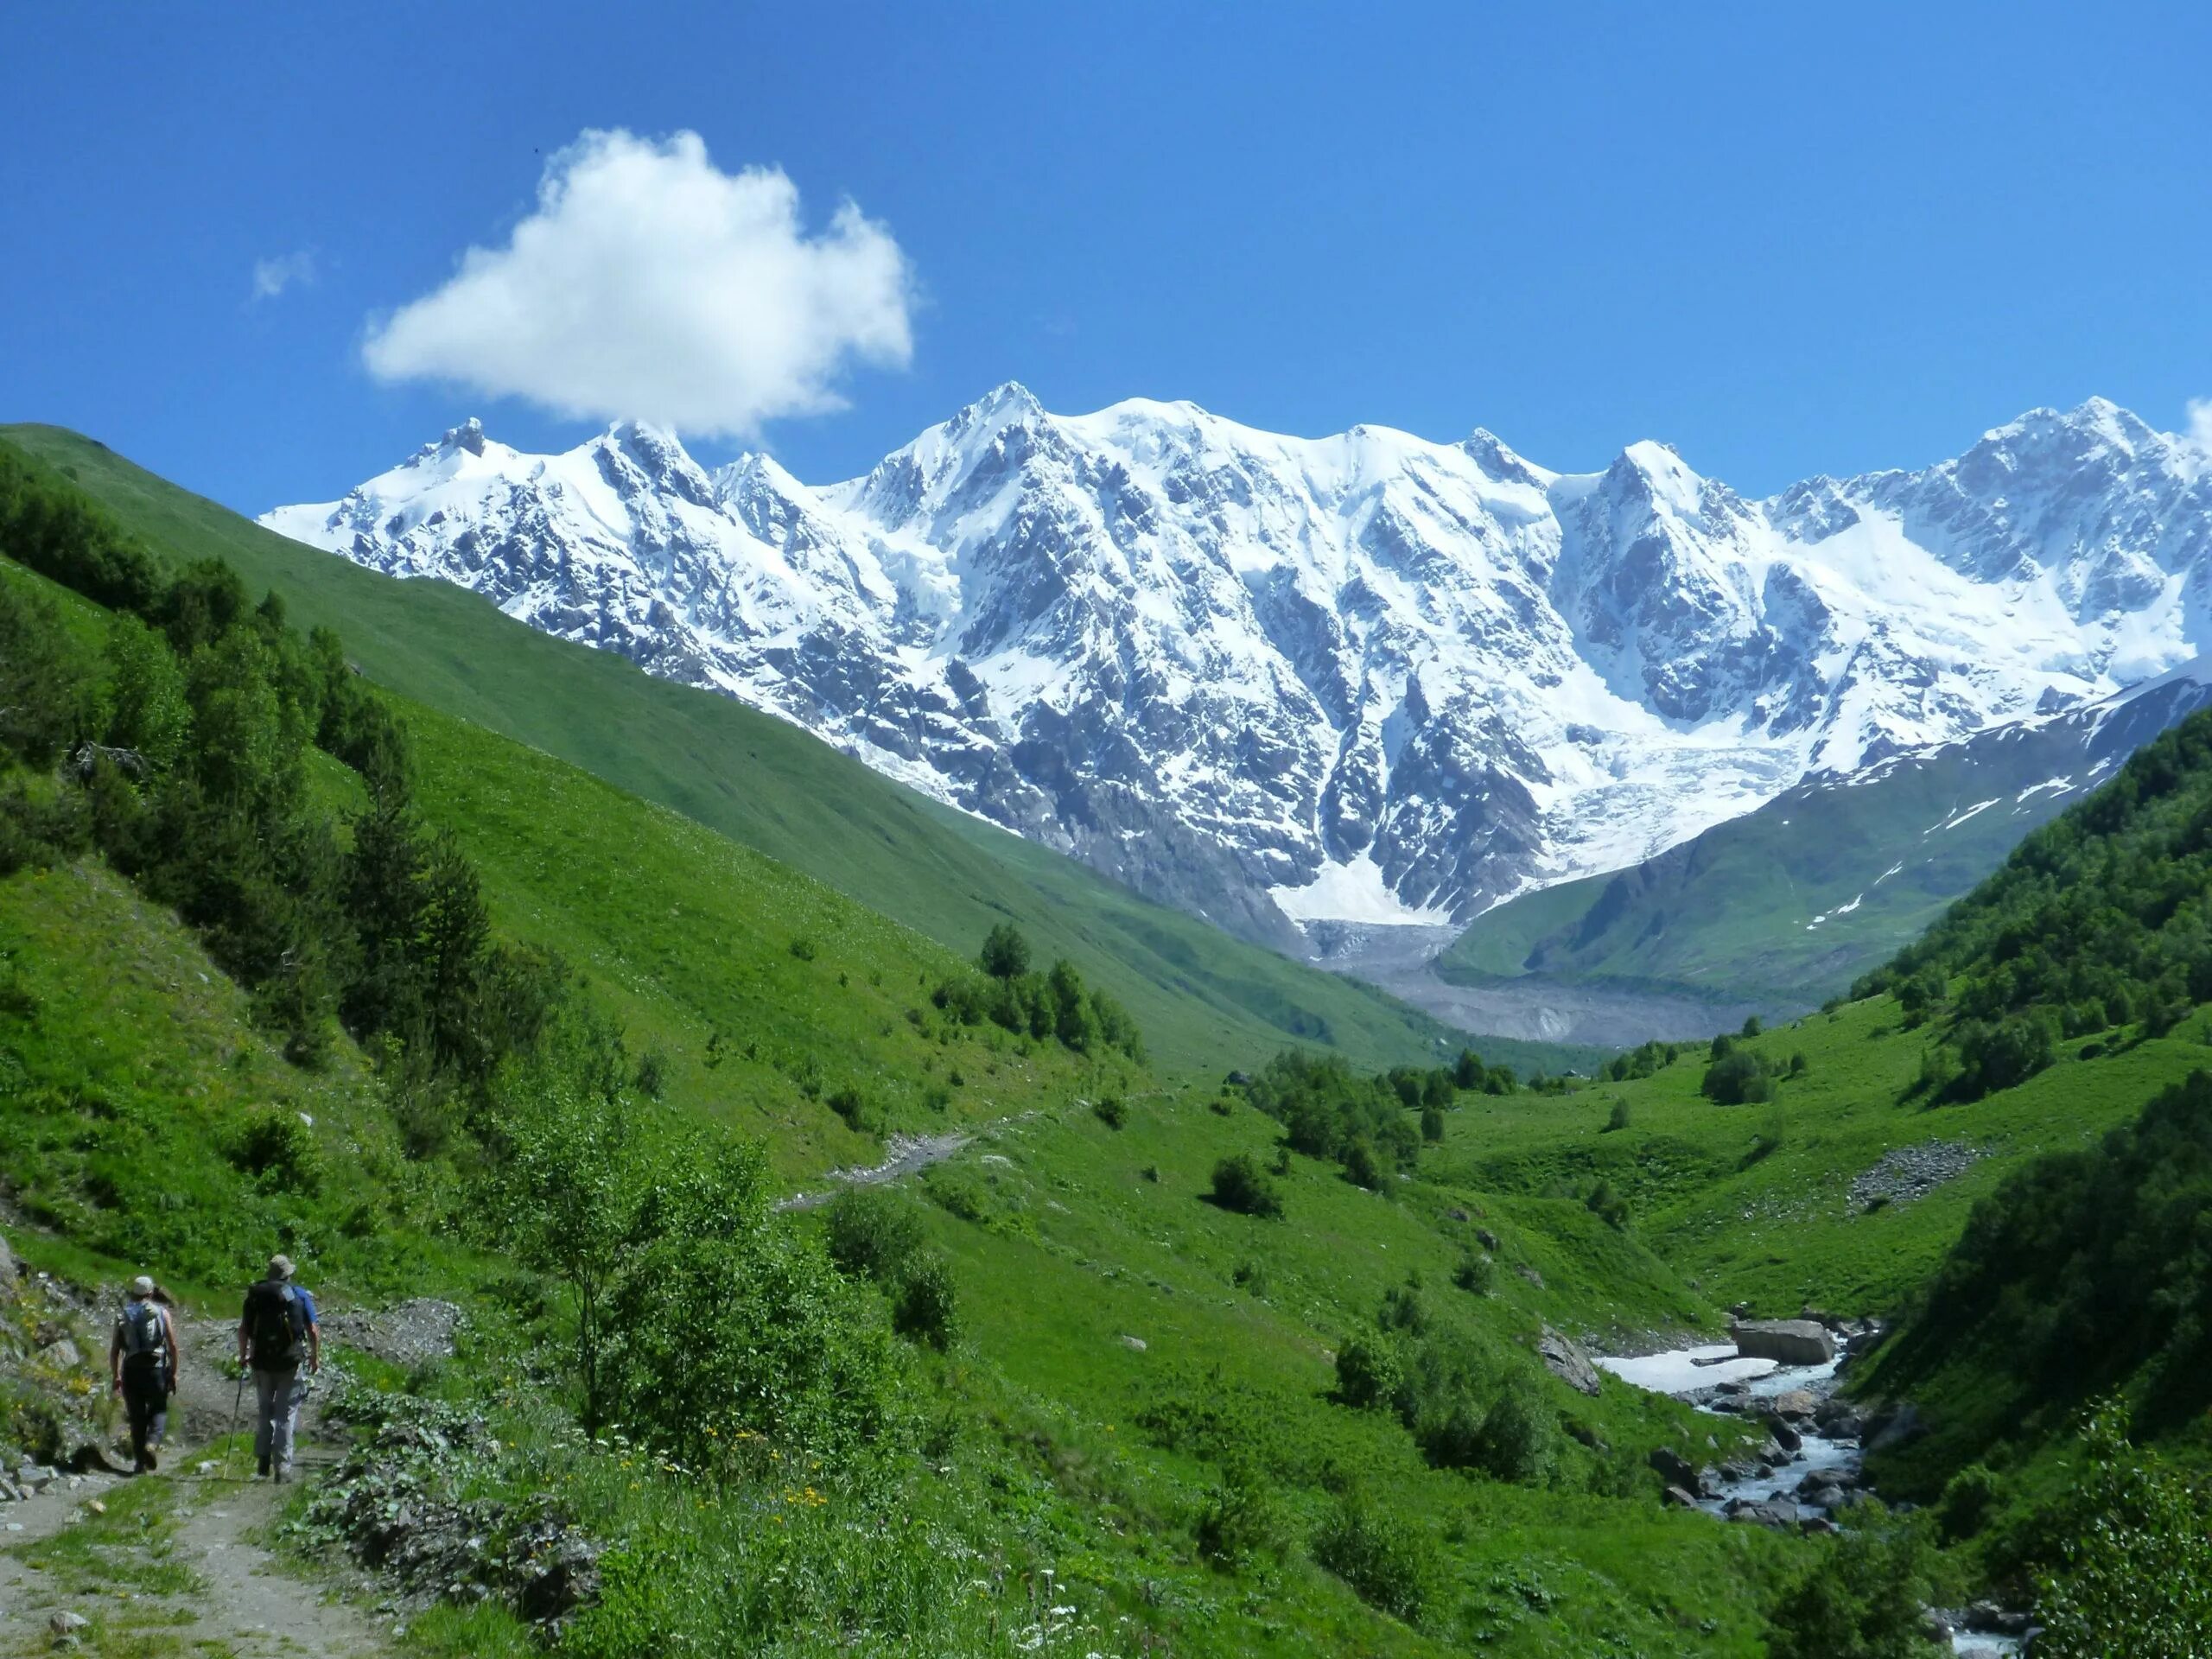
x=277 y=1331
x=142 y=1360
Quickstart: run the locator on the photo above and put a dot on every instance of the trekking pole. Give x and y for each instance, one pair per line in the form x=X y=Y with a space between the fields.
x=237 y=1414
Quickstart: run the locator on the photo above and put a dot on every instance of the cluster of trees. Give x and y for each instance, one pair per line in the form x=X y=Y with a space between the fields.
x=2083 y=1270
x=1328 y=1110
x=1646 y=1060
x=1052 y=1006
x=179 y=745
x=2101 y=918
x=1739 y=1076
x=1464 y=1410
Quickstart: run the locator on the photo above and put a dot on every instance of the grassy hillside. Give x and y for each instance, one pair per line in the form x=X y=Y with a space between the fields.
x=1136 y=1393
x=1782 y=908
x=1207 y=1001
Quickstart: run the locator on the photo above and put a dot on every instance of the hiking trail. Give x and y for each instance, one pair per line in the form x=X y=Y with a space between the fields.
x=177 y=1560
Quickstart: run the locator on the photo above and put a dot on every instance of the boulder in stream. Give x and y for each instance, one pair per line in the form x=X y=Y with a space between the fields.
x=1787 y=1342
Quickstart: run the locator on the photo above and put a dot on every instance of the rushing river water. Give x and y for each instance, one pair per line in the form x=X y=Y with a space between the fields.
x=1685 y=1371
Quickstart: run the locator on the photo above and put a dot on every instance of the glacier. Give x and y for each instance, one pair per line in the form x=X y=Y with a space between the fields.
x=1285 y=683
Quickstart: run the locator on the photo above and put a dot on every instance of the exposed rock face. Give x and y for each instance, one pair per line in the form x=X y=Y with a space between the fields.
x=1566 y=1359
x=1366 y=678
x=1787 y=1342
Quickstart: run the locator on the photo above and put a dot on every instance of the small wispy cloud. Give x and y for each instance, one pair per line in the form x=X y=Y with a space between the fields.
x=2199 y=430
x=272 y=276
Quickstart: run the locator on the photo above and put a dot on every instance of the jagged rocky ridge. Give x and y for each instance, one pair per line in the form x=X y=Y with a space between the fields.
x=1366 y=678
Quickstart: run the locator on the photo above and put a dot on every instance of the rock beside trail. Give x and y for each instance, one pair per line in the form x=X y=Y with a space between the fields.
x=1566 y=1359
x=409 y=1334
x=1787 y=1342
x=9 y=1271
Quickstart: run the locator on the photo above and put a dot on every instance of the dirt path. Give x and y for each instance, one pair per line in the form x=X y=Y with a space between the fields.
x=907 y=1154
x=173 y=1563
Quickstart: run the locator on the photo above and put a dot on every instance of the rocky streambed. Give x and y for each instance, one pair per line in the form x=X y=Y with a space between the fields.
x=1811 y=1463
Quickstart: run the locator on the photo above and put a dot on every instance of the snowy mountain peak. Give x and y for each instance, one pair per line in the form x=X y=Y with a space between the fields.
x=1359 y=678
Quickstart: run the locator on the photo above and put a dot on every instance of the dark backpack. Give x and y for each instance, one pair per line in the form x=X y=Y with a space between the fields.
x=143 y=1332
x=275 y=1326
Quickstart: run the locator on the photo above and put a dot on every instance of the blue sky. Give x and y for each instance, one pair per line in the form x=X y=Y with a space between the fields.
x=1788 y=239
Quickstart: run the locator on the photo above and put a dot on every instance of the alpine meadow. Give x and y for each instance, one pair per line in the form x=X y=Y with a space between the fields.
x=763 y=997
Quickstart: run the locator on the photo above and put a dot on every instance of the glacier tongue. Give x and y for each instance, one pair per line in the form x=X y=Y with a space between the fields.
x=1372 y=678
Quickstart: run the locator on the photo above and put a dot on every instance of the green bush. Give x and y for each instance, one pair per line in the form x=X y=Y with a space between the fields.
x=2135 y=1575
x=1607 y=1206
x=1737 y=1076
x=925 y=1306
x=1241 y=1524
x=1239 y=1186
x=1389 y=1564
x=1362 y=1167
x=858 y=1112
x=1005 y=954
x=1968 y=1497
x=1432 y=1124
x=1619 y=1119
x=1862 y=1599
x=277 y=1146
x=1476 y=1272
x=1368 y=1372
x=1111 y=1111
x=871 y=1232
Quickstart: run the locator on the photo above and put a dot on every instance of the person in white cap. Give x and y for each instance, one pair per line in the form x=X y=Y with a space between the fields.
x=277 y=1331
x=142 y=1360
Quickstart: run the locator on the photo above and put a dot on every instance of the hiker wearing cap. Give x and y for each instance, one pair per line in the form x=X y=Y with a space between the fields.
x=142 y=1361
x=276 y=1333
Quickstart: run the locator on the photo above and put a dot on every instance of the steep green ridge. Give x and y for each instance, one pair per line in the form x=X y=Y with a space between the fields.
x=1205 y=999
x=1784 y=907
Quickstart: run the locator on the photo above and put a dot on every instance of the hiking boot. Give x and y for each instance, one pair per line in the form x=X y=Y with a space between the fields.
x=261 y=1469
x=284 y=1473
x=151 y=1462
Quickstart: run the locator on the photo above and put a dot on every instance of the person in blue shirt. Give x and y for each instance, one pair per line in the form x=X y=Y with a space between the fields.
x=277 y=1333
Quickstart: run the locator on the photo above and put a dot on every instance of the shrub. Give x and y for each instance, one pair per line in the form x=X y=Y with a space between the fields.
x=1240 y=1524
x=2136 y=1576
x=1476 y=1273
x=959 y=1192
x=1519 y=1439
x=653 y=1073
x=1752 y=1026
x=860 y=1114
x=1736 y=1078
x=277 y=1147
x=803 y=948
x=1368 y=1372
x=1862 y=1600
x=925 y=1308
x=1404 y=1308
x=1239 y=1186
x=1432 y=1124
x=1250 y=1276
x=1005 y=954
x=1799 y=1064
x=1968 y=1497
x=1390 y=1565
x=1619 y=1118
x=1362 y=1167
x=871 y=1233
x=1607 y=1206
x=1112 y=1111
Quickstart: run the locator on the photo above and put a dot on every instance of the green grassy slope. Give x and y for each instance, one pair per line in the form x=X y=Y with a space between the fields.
x=1786 y=907
x=137 y=1076
x=1207 y=1001
x=1782 y=1229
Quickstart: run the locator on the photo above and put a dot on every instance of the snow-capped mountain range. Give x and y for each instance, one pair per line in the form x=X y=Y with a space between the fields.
x=1364 y=678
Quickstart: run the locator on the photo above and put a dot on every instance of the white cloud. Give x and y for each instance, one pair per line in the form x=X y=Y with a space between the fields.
x=2200 y=424
x=648 y=283
x=272 y=276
